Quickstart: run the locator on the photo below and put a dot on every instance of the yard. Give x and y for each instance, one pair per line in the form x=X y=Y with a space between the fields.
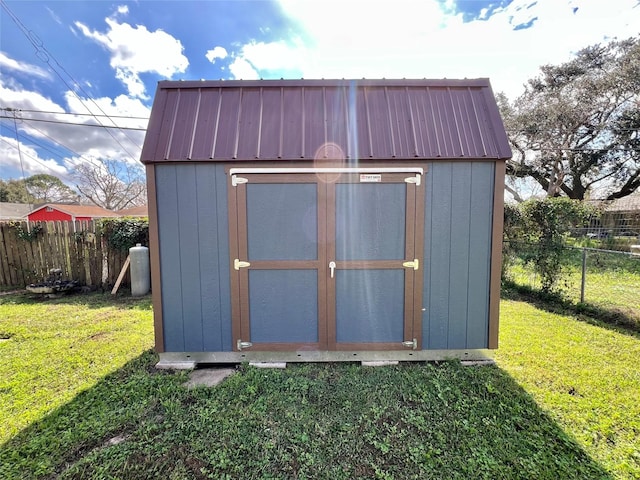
x=80 y=399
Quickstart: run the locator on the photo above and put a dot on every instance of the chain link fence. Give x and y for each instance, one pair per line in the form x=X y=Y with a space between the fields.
x=605 y=279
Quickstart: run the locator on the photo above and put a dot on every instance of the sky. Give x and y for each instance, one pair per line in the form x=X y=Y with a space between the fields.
x=77 y=78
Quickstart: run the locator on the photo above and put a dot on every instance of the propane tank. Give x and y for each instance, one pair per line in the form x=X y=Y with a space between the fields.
x=140 y=275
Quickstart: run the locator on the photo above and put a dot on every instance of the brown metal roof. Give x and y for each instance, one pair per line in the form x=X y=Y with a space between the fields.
x=305 y=119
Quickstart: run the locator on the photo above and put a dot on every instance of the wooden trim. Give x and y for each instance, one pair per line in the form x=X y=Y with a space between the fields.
x=418 y=281
x=496 y=254
x=331 y=256
x=283 y=346
x=410 y=273
x=375 y=346
x=283 y=264
x=243 y=254
x=154 y=257
x=323 y=265
x=372 y=264
x=234 y=278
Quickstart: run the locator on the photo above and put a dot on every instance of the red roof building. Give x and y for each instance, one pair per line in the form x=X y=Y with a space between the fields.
x=62 y=212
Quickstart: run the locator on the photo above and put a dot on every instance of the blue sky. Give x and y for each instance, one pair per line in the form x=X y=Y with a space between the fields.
x=63 y=61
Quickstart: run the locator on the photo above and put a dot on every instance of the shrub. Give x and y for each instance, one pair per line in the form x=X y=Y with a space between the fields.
x=543 y=225
x=124 y=233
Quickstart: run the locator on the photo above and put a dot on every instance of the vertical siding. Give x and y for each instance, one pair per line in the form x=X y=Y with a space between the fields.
x=481 y=219
x=459 y=203
x=194 y=257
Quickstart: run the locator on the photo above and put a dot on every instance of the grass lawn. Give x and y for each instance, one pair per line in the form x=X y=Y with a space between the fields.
x=612 y=284
x=81 y=399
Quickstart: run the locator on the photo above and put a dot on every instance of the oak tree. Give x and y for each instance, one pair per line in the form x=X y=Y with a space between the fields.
x=576 y=128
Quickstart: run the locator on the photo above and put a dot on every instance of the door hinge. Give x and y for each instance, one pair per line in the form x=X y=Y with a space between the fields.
x=240 y=344
x=236 y=180
x=415 y=180
x=238 y=264
x=412 y=344
x=415 y=264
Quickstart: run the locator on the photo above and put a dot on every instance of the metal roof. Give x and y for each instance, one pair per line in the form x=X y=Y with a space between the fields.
x=314 y=119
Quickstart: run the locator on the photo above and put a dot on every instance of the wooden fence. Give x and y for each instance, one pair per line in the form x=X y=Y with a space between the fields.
x=28 y=252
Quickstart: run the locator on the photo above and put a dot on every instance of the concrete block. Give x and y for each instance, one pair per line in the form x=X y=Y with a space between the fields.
x=268 y=364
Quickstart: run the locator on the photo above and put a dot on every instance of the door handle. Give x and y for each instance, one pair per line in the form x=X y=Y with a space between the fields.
x=332 y=267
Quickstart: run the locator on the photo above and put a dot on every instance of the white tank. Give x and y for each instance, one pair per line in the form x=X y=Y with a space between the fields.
x=140 y=273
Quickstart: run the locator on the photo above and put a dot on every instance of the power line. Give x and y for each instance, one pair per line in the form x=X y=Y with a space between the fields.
x=106 y=127
x=27 y=155
x=76 y=114
x=43 y=54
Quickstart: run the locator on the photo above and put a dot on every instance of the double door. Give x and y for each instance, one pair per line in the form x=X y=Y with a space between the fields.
x=326 y=259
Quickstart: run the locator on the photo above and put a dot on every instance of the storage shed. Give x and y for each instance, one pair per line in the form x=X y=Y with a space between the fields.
x=310 y=220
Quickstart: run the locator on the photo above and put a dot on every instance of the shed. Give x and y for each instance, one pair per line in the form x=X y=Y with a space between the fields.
x=310 y=220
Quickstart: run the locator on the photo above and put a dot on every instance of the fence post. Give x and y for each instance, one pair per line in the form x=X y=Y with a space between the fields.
x=584 y=274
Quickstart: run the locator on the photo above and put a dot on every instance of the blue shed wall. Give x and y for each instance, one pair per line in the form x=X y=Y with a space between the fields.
x=194 y=257
x=458 y=224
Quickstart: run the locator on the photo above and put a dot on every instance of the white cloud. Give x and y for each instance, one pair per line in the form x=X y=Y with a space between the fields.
x=27 y=159
x=215 y=53
x=69 y=140
x=23 y=67
x=123 y=9
x=136 y=50
x=424 y=39
x=240 y=68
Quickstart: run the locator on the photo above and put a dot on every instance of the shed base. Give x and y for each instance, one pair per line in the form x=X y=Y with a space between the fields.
x=189 y=360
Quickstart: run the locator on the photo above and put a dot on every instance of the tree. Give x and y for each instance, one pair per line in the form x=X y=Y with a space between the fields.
x=575 y=129
x=14 y=191
x=47 y=189
x=112 y=184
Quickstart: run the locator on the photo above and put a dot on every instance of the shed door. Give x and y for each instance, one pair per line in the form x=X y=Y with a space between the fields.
x=371 y=241
x=325 y=262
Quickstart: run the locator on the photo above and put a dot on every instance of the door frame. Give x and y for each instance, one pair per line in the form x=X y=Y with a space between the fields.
x=326 y=329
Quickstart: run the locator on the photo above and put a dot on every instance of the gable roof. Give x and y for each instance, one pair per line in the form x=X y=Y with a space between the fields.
x=14 y=211
x=78 y=210
x=305 y=119
x=140 y=211
x=629 y=203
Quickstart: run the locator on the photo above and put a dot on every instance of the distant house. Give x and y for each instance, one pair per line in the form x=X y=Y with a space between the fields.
x=63 y=212
x=14 y=211
x=141 y=211
x=620 y=217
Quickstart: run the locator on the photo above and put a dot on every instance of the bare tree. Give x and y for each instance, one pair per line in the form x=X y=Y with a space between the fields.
x=112 y=184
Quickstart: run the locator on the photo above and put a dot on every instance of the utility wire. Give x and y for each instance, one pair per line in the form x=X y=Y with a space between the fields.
x=43 y=54
x=77 y=114
x=106 y=127
x=30 y=156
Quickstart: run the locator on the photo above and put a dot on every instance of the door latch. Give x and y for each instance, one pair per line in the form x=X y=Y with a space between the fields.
x=240 y=344
x=238 y=264
x=415 y=264
x=332 y=268
x=415 y=180
x=412 y=344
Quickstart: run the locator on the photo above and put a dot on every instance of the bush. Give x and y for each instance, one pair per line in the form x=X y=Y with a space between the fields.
x=544 y=226
x=124 y=233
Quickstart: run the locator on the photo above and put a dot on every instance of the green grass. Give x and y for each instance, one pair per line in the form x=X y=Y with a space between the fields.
x=53 y=349
x=612 y=286
x=562 y=403
x=584 y=374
